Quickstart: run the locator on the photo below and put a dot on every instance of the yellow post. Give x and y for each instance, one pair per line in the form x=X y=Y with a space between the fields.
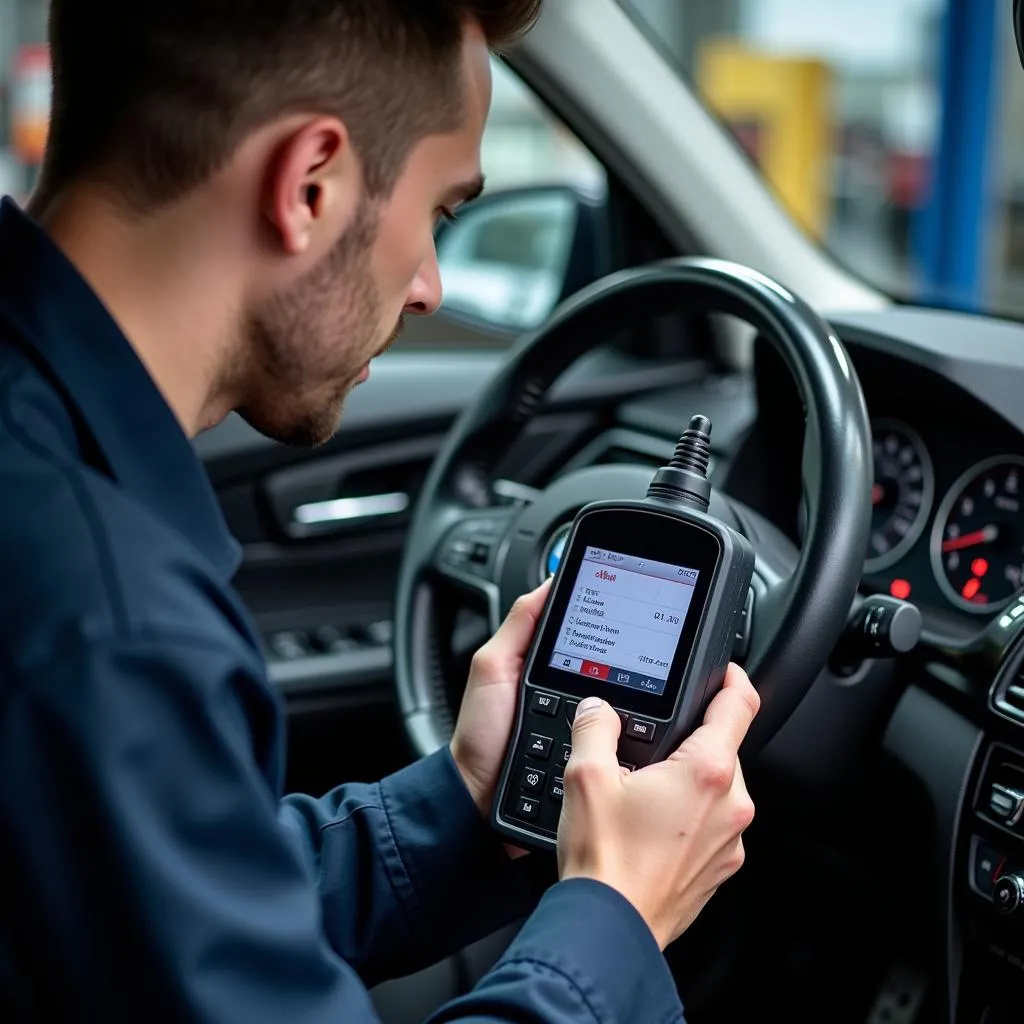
x=784 y=104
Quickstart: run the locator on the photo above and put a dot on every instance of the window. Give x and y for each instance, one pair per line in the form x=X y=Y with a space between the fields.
x=506 y=262
x=24 y=93
x=890 y=129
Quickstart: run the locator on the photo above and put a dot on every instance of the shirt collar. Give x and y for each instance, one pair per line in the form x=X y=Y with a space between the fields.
x=55 y=313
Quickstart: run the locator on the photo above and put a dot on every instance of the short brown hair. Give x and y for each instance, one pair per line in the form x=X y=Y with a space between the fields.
x=156 y=95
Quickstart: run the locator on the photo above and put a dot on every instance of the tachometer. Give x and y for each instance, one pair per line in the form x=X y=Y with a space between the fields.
x=902 y=493
x=978 y=538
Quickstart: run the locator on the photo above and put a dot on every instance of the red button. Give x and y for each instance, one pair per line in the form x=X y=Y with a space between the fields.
x=595 y=671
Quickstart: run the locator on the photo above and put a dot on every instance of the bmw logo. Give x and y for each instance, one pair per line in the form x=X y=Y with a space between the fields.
x=554 y=551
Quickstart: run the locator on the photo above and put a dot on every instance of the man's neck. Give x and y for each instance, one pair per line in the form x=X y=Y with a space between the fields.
x=160 y=288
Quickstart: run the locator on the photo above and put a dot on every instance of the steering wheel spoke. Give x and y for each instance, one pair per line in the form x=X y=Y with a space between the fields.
x=468 y=554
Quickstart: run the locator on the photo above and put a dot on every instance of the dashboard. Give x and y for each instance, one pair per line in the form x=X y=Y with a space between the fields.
x=946 y=531
x=942 y=392
x=946 y=528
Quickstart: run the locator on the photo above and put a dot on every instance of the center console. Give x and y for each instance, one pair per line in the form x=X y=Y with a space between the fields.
x=989 y=884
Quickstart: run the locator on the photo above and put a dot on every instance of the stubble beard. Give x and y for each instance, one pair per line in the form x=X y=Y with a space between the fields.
x=309 y=344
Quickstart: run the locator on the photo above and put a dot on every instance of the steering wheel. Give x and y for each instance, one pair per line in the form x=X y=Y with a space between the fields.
x=465 y=532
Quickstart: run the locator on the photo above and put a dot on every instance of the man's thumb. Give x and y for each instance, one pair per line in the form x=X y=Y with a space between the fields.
x=517 y=630
x=595 y=733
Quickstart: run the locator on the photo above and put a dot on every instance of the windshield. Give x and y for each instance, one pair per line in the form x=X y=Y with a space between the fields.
x=892 y=130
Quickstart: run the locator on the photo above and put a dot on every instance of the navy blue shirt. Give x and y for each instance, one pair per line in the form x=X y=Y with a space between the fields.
x=150 y=868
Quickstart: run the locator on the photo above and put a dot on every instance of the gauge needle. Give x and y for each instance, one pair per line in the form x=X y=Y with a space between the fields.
x=969 y=540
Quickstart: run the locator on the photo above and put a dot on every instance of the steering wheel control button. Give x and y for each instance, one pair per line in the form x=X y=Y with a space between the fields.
x=457 y=550
x=527 y=808
x=557 y=790
x=470 y=545
x=1006 y=803
x=570 y=711
x=533 y=780
x=640 y=729
x=1008 y=893
x=566 y=751
x=545 y=704
x=539 y=746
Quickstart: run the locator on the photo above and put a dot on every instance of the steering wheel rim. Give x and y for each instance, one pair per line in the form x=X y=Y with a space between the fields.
x=797 y=618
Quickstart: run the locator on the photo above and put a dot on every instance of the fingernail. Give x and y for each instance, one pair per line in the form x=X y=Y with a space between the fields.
x=588 y=706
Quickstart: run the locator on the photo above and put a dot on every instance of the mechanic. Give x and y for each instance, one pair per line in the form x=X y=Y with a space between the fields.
x=236 y=208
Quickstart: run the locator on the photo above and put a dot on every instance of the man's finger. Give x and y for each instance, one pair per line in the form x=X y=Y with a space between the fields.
x=595 y=738
x=731 y=713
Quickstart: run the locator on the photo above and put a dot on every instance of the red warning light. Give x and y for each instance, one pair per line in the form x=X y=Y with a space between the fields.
x=979 y=567
x=971 y=588
x=900 y=589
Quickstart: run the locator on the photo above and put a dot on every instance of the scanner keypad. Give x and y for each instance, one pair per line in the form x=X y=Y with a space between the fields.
x=534 y=797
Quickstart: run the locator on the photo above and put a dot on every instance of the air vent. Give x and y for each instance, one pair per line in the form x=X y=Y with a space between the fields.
x=1008 y=689
x=1011 y=701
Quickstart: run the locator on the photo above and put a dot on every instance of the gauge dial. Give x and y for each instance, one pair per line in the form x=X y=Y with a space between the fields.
x=978 y=538
x=902 y=493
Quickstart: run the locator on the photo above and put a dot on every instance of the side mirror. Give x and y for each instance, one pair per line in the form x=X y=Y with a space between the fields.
x=514 y=255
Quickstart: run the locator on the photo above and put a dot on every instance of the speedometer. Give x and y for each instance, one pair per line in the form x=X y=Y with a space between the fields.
x=978 y=538
x=901 y=497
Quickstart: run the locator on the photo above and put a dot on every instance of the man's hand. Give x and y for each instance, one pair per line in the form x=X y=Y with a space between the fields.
x=668 y=835
x=489 y=705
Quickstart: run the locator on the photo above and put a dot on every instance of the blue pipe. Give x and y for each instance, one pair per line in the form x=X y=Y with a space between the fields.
x=950 y=230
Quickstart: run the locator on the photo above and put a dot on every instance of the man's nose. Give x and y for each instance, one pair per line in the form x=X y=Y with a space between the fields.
x=425 y=294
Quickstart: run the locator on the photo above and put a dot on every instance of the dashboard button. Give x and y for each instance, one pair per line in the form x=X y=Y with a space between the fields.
x=640 y=729
x=987 y=861
x=557 y=790
x=570 y=710
x=1008 y=893
x=566 y=751
x=545 y=704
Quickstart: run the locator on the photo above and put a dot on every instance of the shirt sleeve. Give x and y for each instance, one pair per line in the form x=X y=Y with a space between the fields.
x=584 y=955
x=149 y=876
x=432 y=877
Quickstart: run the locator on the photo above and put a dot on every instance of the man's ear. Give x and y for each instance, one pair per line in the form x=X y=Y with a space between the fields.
x=313 y=187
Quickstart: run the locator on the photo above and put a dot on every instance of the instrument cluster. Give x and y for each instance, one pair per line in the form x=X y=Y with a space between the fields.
x=962 y=526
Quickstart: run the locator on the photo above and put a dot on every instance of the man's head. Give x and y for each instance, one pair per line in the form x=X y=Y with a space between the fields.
x=321 y=138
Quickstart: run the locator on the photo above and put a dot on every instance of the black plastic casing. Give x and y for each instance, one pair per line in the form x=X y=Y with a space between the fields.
x=665 y=532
